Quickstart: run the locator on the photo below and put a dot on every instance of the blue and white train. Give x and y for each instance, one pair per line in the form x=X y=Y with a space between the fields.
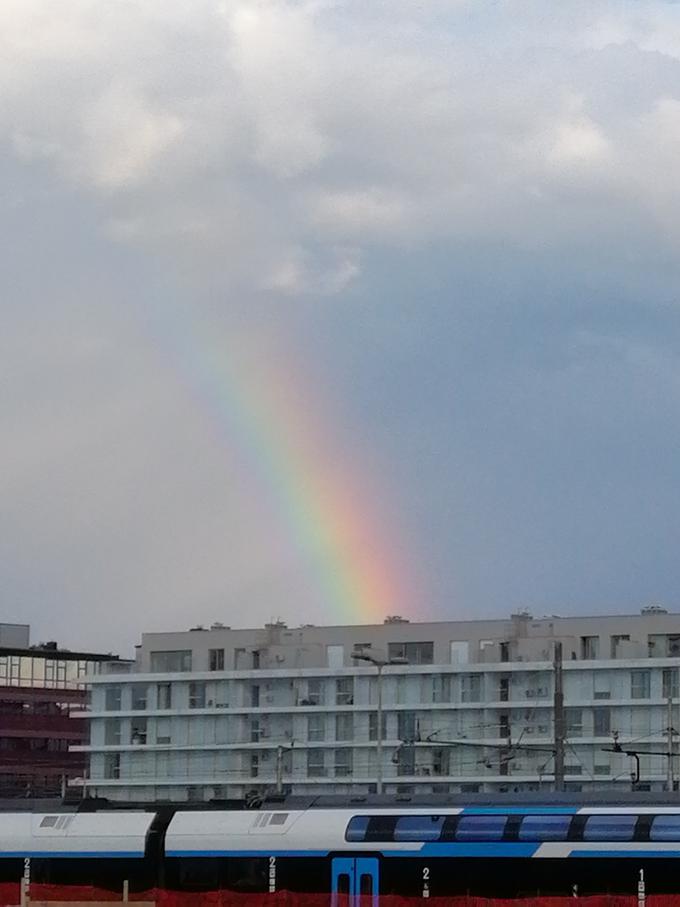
x=500 y=847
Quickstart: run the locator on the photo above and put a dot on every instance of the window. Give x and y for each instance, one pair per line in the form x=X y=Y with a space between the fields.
x=459 y=652
x=440 y=762
x=470 y=687
x=216 y=659
x=373 y=726
x=663 y=645
x=344 y=727
x=601 y=722
x=544 y=828
x=639 y=684
x=344 y=691
x=601 y=687
x=138 y=732
x=441 y=688
x=163 y=735
x=138 y=697
x=406 y=760
x=254 y=765
x=602 y=768
x=255 y=730
x=164 y=695
x=418 y=828
x=315 y=764
x=574 y=722
x=669 y=683
x=314 y=692
x=416 y=653
x=665 y=828
x=316 y=728
x=343 y=763
x=112 y=732
x=170 y=662
x=590 y=647
x=112 y=699
x=407 y=726
x=480 y=828
x=504 y=689
x=616 y=641
x=255 y=695
x=112 y=765
x=197 y=694
x=609 y=828
x=335 y=656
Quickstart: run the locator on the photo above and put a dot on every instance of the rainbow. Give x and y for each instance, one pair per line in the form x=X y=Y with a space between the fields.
x=327 y=512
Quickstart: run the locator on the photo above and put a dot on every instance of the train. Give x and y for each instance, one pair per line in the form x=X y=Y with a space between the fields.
x=364 y=846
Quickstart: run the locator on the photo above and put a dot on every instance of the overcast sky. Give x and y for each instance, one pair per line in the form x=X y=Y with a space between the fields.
x=423 y=254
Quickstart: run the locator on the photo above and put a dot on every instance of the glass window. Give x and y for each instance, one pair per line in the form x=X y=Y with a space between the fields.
x=470 y=687
x=407 y=725
x=416 y=653
x=665 y=828
x=481 y=828
x=373 y=726
x=138 y=697
x=574 y=722
x=544 y=828
x=170 y=662
x=670 y=683
x=316 y=728
x=418 y=828
x=344 y=727
x=639 y=684
x=315 y=764
x=356 y=830
x=344 y=691
x=164 y=696
x=197 y=694
x=590 y=647
x=216 y=659
x=314 y=693
x=112 y=732
x=343 y=763
x=609 y=828
x=112 y=699
x=602 y=721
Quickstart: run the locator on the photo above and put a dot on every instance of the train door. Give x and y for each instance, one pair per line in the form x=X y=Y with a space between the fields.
x=355 y=882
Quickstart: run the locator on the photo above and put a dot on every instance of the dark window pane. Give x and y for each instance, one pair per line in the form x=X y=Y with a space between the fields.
x=480 y=828
x=356 y=830
x=366 y=884
x=343 y=883
x=665 y=828
x=418 y=828
x=544 y=828
x=609 y=828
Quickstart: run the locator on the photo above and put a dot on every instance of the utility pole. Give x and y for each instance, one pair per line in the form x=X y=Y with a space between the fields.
x=280 y=750
x=558 y=717
x=670 y=778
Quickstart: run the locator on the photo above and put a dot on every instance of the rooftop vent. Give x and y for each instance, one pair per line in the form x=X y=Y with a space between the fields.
x=653 y=609
x=396 y=619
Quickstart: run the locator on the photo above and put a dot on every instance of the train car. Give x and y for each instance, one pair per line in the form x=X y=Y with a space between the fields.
x=494 y=851
x=367 y=848
x=104 y=849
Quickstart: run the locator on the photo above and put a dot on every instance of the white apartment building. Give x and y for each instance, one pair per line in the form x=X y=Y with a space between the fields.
x=216 y=713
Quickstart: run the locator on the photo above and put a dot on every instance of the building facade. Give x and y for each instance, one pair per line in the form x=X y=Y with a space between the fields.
x=39 y=686
x=213 y=713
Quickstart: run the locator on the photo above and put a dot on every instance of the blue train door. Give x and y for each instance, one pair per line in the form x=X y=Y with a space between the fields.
x=355 y=882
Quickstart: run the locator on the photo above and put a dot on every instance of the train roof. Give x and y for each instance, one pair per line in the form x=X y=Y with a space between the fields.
x=359 y=801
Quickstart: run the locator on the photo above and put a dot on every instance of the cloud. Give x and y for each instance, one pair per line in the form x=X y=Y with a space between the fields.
x=308 y=124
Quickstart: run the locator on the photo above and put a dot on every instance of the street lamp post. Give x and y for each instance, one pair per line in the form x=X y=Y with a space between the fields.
x=379 y=663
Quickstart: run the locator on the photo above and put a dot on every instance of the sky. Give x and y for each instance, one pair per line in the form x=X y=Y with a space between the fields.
x=325 y=310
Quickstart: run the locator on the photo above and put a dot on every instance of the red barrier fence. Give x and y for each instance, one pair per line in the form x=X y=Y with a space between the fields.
x=10 y=896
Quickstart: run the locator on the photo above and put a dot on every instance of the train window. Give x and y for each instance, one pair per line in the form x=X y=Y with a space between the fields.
x=544 y=828
x=381 y=828
x=418 y=828
x=481 y=828
x=356 y=830
x=665 y=828
x=609 y=828
x=343 y=883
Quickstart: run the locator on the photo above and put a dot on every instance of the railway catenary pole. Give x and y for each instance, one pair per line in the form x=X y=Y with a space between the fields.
x=670 y=775
x=558 y=717
x=379 y=663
